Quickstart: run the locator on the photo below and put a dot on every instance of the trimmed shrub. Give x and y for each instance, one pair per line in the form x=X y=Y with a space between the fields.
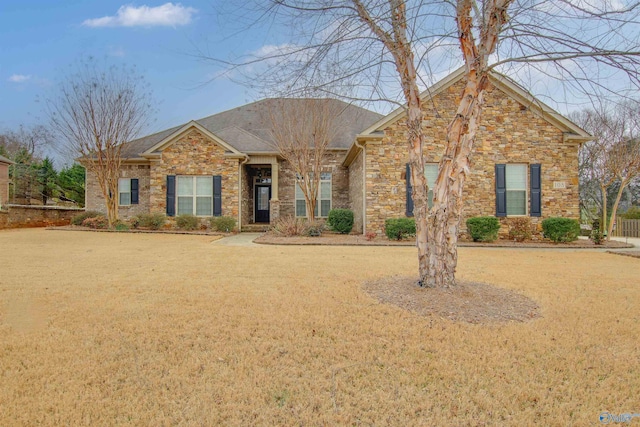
x=79 y=219
x=597 y=235
x=399 y=228
x=288 y=226
x=97 y=222
x=153 y=221
x=559 y=229
x=314 y=229
x=187 y=222
x=520 y=229
x=225 y=224
x=341 y=220
x=483 y=228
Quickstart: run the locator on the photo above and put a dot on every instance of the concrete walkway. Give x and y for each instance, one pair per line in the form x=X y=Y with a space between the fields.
x=635 y=241
x=240 y=239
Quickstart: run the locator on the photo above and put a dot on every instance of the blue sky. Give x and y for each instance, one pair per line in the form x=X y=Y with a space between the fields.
x=41 y=39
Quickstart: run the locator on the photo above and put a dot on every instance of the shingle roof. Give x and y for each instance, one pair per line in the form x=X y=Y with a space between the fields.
x=247 y=128
x=5 y=160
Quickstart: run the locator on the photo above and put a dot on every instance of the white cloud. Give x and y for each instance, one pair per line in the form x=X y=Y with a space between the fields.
x=19 y=78
x=168 y=15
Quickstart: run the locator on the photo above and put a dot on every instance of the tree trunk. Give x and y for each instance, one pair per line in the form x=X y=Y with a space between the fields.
x=604 y=226
x=614 y=209
x=444 y=218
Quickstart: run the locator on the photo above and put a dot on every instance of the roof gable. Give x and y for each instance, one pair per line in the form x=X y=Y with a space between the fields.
x=504 y=84
x=174 y=136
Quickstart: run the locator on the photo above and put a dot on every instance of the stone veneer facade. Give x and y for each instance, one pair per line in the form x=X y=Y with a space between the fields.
x=194 y=154
x=509 y=133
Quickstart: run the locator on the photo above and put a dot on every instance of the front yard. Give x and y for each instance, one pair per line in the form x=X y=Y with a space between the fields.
x=141 y=329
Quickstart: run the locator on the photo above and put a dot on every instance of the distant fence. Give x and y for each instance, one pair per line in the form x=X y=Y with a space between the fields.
x=627 y=228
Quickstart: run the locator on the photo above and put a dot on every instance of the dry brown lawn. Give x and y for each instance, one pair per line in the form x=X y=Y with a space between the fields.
x=124 y=329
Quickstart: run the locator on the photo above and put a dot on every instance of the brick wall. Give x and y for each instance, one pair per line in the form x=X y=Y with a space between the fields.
x=19 y=216
x=95 y=199
x=339 y=183
x=509 y=133
x=4 y=183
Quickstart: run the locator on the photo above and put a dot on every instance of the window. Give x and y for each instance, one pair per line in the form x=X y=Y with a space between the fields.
x=516 y=186
x=519 y=190
x=127 y=191
x=431 y=173
x=195 y=195
x=323 y=199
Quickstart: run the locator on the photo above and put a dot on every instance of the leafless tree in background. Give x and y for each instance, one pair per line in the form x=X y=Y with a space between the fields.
x=614 y=154
x=381 y=46
x=302 y=130
x=94 y=112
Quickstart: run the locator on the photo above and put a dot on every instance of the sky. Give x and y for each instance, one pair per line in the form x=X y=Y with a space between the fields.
x=41 y=40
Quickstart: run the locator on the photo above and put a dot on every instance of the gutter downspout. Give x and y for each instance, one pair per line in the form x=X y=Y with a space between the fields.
x=240 y=168
x=364 y=185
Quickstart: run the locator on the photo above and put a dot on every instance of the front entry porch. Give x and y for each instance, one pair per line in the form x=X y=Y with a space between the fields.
x=260 y=205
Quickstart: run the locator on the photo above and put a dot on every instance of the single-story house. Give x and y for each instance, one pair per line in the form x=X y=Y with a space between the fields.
x=525 y=163
x=4 y=180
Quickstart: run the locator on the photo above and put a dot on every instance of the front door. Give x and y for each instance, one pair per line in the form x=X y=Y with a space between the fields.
x=262 y=197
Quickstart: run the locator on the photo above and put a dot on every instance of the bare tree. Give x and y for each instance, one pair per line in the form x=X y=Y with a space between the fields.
x=26 y=141
x=94 y=113
x=614 y=154
x=302 y=130
x=376 y=43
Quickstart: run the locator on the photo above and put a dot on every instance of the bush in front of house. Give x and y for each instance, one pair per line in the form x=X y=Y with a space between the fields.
x=187 y=222
x=225 y=224
x=520 y=229
x=79 y=219
x=483 y=228
x=341 y=220
x=153 y=221
x=314 y=229
x=96 y=222
x=561 y=230
x=596 y=235
x=288 y=226
x=399 y=228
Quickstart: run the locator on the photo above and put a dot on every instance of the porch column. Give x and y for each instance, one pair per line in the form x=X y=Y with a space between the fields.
x=275 y=201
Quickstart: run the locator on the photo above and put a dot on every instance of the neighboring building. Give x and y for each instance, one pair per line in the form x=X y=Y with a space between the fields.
x=4 y=180
x=226 y=164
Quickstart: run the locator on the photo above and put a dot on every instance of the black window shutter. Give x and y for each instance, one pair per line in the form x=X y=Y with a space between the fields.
x=501 y=190
x=409 y=202
x=134 y=191
x=535 y=189
x=217 y=195
x=171 y=195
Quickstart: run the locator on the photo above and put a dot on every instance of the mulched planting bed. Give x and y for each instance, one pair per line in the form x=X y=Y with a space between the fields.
x=359 y=239
x=466 y=302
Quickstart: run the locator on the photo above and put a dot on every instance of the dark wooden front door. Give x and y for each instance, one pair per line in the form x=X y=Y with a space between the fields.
x=262 y=197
